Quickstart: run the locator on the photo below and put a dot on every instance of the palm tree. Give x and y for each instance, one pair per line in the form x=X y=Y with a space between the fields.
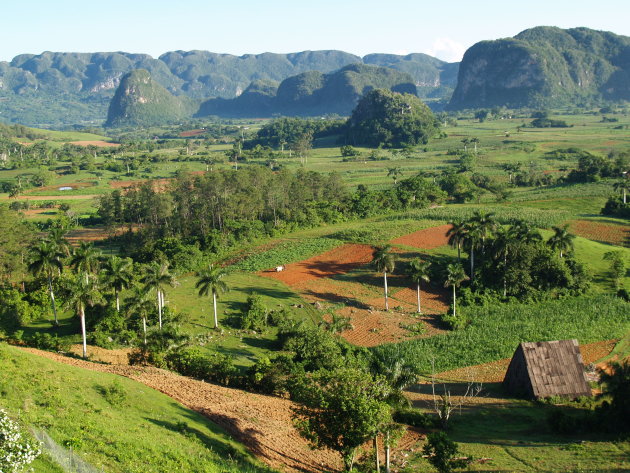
x=47 y=261
x=505 y=243
x=524 y=233
x=475 y=141
x=472 y=240
x=139 y=303
x=85 y=259
x=561 y=240
x=485 y=224
x=57 y=236
x=83 y=293
x=211 y=280
x=457 y=235
x=418 y=271
x=624 y=186
x=118 y=275
x=157 y=277
x=455 y=275
x=394 y=173
x=384 y=261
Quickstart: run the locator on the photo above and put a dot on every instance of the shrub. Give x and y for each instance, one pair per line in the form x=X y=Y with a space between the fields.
x=16 y=451
x=255 y=316
x=215 y=367
x=46 y=341
x=442 y=453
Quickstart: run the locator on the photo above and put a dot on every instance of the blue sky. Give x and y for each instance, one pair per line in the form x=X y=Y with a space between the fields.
x=441 y=28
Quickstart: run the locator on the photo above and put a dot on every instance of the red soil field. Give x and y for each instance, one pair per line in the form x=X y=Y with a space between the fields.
x=101 y=144
x=336 y=261
x=430 y=238
x=186 y=134
x=611 y=233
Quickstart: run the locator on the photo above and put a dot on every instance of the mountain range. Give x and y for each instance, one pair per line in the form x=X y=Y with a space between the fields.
x=58 y=88
x=539 y=67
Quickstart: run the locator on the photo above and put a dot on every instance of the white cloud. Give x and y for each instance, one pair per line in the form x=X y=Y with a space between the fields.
x=447 y=49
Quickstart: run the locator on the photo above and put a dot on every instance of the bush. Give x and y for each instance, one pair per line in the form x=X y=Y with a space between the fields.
x=215 y=367
x=16 y=451
x=414 y=418
x=255 y=316
x=443 y=453
x=46 y=341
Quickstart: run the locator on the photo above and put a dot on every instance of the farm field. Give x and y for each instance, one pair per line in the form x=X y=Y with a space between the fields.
x=328 y=299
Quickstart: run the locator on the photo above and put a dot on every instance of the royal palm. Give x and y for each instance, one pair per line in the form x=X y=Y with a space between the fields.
x=211 y=282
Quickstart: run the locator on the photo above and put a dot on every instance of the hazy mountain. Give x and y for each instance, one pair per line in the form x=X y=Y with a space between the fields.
x=54 y=89
x=311 y=93
x=141 y=101
x=545 y=66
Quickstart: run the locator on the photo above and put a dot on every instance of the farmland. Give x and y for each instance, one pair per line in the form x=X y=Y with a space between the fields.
x=324 y=218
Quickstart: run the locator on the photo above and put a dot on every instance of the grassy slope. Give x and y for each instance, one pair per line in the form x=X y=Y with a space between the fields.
x=142 y=431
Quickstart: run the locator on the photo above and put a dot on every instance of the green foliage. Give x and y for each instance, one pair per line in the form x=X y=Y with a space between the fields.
x=255 y=315
x=443 y=453
x=114 y=393
x=216 y=367
x=390 y=119
x=343 y=409
x=16 y=311
x=495 y=331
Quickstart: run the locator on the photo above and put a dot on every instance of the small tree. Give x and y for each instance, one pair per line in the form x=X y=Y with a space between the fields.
x=342 y=411
x=617 y=267
x=561 y=240
x=443 y=453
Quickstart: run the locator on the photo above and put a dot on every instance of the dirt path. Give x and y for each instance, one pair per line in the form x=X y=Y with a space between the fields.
x=51 y=197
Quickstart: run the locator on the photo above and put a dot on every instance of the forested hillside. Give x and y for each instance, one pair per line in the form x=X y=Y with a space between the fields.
x=545 y=66
x=57 y=88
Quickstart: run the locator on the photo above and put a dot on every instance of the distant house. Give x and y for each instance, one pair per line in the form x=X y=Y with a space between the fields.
x=543 y=369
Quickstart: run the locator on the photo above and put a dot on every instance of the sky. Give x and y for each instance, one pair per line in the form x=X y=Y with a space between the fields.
x=444 y=29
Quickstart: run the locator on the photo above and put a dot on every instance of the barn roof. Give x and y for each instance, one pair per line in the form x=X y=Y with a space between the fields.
x=543 y=369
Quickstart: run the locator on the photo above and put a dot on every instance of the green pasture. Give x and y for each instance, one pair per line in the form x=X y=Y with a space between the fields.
x=113 y=423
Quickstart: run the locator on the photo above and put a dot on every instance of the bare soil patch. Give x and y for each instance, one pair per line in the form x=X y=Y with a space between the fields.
x=262 y=423
x=99 y=143
x=93 y=234
x=601 y=232
x=160 y=185
x=330 y=263
x=189 y=133
x=51 y=197
x=433 y=237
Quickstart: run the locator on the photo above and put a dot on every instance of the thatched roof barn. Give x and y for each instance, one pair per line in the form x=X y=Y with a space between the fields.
x=543 y=369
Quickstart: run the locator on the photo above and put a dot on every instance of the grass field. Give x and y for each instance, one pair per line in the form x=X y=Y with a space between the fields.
x=113 y=423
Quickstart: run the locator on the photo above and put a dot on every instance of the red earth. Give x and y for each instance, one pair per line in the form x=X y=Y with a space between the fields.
x=433 y=237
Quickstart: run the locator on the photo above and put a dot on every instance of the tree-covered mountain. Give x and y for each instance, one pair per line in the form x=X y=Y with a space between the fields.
x=543 y=67
x=311 y=93
x=56 y=89
x=141 y=101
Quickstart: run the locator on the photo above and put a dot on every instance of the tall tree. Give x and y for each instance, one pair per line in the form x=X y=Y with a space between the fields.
x=139 y=304
x=624 y=186
x=156 y=278
x=85 y=259
x=561 y=240
x=394 y=173
x=457 y=235
x=57 y=236
x=211 y=281
x=455 y=275
x=83 y=293
x=118 y=275
x=384 y=261
x=46 y=261
x=419 y=271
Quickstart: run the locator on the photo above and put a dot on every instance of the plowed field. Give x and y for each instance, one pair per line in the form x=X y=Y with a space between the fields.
x=614 y=234
x=426 y=239
x=336 y=261
x=262 y=423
